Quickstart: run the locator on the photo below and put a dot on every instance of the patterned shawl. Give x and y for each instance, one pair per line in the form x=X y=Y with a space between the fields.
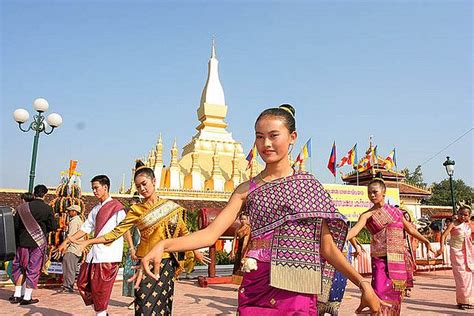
x=31 y=225
x=294 y=207
x=163 y=220
x=389 y=221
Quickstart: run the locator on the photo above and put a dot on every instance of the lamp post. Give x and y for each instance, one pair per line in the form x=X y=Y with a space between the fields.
x=449 y=165
x=38 y=125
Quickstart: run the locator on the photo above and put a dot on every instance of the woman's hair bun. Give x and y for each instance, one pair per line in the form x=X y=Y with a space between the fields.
x=289 y=108
x=139 y=163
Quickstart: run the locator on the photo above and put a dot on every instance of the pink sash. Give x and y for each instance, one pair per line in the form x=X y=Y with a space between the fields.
x=105 y=213
x=390 y=219
x=31 y=225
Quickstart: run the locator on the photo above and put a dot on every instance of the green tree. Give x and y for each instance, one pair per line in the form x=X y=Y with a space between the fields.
x=192 y=220
x=415 y=177
x=441 y=193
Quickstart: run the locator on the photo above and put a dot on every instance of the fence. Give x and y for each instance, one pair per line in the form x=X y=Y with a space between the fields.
x=424 y=262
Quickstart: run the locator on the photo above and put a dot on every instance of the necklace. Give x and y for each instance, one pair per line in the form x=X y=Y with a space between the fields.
x=269 y=181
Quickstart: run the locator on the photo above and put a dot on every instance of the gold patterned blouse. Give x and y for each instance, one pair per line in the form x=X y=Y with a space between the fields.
x=165 y=219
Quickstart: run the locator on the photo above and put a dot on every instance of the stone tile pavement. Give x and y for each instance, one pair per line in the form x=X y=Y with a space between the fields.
x=434 y=294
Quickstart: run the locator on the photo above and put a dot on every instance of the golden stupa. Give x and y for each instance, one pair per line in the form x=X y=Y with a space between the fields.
x=212 y=163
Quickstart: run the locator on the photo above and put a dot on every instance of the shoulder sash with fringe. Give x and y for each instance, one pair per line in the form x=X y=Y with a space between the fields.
x=165 y=216
x=163 y=212
x=293 y=208
x=390 y=219
x=106 y=211
x=31 y=225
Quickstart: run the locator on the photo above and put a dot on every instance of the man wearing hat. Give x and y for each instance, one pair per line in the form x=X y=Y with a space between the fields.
x=72 y=254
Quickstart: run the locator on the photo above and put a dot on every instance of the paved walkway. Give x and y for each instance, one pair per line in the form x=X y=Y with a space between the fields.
x=434 y=294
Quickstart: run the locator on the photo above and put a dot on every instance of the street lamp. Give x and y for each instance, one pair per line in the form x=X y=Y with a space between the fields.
x=449 y=165
x=38 y=125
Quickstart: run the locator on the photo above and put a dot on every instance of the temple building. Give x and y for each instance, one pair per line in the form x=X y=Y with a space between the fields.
x=410 y=195
x=212 y=164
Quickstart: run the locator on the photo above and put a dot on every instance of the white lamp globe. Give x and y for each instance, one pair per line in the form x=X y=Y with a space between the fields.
x=21 y=115
x=450 y=170
x=54 y=120
x=40 y=105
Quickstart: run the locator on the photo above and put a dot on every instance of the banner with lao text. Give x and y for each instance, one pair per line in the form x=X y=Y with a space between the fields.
x=352 y=200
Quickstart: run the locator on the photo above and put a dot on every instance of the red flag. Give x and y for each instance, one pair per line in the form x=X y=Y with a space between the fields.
x=348 y=159
x=332 y=160
x=298 y=159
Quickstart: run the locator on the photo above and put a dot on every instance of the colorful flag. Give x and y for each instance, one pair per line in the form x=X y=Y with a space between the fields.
x=306 y=150
x=332 y=160
x=373 y=157
x=304 y=153
x=368 y=161
x=252 y=154
x=72 y=167
x=348 y=159
x=390 y=161
x=299 y=159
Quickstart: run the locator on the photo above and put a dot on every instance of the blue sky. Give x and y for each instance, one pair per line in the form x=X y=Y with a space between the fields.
x=121 y=72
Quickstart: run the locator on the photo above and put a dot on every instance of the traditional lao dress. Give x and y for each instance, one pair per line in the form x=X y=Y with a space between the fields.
x=286 y=217
x=389 y=255
x=156 y=222
x=462 y=261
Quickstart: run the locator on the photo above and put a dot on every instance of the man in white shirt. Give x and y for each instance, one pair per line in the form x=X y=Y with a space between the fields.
x=98 y=273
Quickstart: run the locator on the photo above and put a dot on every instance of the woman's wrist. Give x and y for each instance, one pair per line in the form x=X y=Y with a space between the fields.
x=363 y=284
x=163 y=244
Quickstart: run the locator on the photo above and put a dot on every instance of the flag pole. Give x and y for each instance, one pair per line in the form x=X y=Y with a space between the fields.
x=309 y=149
x=396 y=168
x=335 y=159
x=356 y=164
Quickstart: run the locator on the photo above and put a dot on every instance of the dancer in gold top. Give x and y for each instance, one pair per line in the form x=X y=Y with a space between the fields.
x=157 y=220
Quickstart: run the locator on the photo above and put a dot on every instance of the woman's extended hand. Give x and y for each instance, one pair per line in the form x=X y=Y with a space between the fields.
x=369 y=299
x=439 y=252
x=137 y=277
x=200 y=257
x=428 y=246
x=154 y=257
x=358 y=251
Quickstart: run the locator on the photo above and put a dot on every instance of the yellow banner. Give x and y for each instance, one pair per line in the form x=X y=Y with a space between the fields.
x=352 y=200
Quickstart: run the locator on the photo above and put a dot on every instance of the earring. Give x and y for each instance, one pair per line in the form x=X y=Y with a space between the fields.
x=289 y=151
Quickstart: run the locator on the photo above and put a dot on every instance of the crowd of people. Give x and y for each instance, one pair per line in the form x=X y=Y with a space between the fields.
x=288 y=250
